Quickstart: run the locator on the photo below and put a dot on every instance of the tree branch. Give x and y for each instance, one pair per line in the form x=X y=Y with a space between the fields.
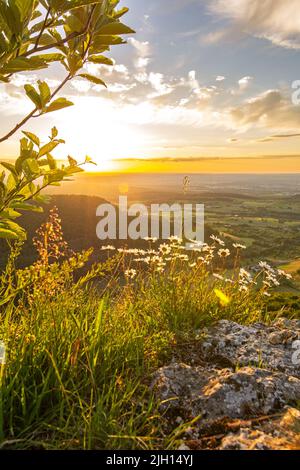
x=69 y=37
x=37 y=49
x=42 y=28
x=18 y=126
x=36 y=109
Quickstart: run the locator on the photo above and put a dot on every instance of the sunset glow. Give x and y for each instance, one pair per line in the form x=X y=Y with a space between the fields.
x=183 y=88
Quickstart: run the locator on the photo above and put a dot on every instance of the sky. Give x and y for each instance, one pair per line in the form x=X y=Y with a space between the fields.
x=201 y=80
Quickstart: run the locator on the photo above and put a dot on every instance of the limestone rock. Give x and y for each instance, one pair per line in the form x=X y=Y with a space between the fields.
x=245 y=377
x=271 y=347
x=280 y=435
x=215 y=393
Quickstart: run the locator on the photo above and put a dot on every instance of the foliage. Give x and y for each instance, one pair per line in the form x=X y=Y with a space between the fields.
x=79 y=364
x=35 y=34
x=54 y=271
x=78 y=31
x=21 y=183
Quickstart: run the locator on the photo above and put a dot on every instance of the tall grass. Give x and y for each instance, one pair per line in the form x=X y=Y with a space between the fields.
x=79 y=361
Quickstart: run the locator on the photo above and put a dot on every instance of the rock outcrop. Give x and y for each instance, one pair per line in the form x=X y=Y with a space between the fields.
x=283 y=434
x=217 y=393
x=257 y=345
x=249 y=372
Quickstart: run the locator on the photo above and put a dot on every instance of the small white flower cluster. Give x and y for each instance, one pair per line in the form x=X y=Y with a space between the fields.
x=201 y=256
x=238 y=246
x=130 y=273
x=271 y=277
x=224 y=253
x=216 y=239
x=108 y=248
x=245 y=280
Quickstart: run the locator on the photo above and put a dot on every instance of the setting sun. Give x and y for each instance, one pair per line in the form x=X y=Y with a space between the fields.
x=94 y=129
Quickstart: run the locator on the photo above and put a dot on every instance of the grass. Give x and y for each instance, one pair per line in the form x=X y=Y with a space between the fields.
x=293 y=266
x=80 y=356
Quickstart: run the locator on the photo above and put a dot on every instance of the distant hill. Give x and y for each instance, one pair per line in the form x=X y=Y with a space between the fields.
x=79 y=221
x=78 y=214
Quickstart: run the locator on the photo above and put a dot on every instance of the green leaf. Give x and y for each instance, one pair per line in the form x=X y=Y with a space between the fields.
x=9 y=214
x=115 y=28
x=10 y=229
x=51 y=162
x=48 y=148
x=22 y=64
x=60 y=103
x=54 y=132
x=121 y=12
x=11 y=16
x=46 y=40
x=105 y=40
x=73 y=24
x=100 y=59
x=36 y=14
x=54 y=57
x=93 y=79
x=11 y=182
x=10 y=167
x=45 y=92
x=26 y=206
x=31 y=167
x=33 y=95
x=72 y=161
x=89 y=160
x=34 y=138
x=8 y=234
x=25 y=7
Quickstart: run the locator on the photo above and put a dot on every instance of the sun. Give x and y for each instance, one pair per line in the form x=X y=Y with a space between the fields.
x=93 y=128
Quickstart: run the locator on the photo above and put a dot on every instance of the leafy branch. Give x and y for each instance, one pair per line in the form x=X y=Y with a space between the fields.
x=73 y=33
x=39 y=104
x=90 y=28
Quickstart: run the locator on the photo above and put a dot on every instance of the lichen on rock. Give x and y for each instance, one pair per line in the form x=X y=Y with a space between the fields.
x=257 y=345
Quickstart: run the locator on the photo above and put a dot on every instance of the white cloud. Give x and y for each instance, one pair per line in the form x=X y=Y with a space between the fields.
x=143 y=47
x=277 y=21
x=270 y=109
x=82 y=86
x=143 y=51
x=120 y=68
x=118 y=87
x=142 y=62
x=113 y=72
x=245 y=82
x=220 y=78
x=157 y=82
x=19 y=79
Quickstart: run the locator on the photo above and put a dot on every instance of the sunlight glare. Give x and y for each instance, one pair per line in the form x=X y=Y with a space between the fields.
x=95 y=129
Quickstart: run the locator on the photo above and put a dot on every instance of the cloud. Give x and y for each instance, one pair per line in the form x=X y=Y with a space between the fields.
x=157 y=82
x=245 y=82
x=203 y=159
x=270 y=109
x=273 y=138
x=112 y=72
x=143 y=52
x=18 y=80
x=284 y=136
x=277 y=21
x=82 y=86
